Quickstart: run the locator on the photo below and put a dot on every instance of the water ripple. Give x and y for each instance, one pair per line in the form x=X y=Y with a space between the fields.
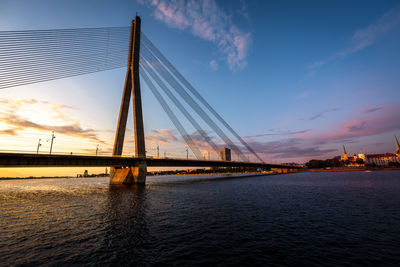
x=297 y=219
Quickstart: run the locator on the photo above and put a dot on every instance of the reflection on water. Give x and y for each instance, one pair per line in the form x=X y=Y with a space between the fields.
x=307 y=218
x=126 y=232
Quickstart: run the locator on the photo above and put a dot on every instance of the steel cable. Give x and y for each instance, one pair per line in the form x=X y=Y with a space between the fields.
x=177 y=103
x=180 y=77
x=42 y=55
x=189 y=141
x=190 y=101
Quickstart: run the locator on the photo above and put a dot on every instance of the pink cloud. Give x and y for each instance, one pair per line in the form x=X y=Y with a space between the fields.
x=304 y=145
x=162 y=136
x=205 y=19
x=171 y=14
x=367 y=124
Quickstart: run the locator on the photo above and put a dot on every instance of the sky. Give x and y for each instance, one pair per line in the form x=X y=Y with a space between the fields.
x=296 y=79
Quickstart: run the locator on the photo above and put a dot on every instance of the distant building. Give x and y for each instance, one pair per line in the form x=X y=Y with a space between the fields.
x=352 y=161
x=382 y=159
x=225 y=154
x=377 y=159
x=386 y=158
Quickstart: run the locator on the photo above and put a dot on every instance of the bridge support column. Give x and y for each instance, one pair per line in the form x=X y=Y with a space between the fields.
x=132 y=174
x=129 y=175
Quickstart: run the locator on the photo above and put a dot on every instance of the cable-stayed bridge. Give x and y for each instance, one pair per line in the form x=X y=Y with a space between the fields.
x=28 y=57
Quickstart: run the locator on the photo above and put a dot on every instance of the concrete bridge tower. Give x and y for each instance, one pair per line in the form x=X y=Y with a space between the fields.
x=131 y=174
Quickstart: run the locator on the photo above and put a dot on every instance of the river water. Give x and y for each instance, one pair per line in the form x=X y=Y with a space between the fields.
x=306 y=218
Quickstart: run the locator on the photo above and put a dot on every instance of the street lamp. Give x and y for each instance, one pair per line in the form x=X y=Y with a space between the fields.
x=38 y=145
x=52 y=139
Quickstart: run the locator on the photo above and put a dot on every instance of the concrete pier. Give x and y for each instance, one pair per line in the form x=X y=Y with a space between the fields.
x=129 y=175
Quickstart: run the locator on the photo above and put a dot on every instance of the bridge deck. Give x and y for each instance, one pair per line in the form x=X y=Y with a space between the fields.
x=40 y=160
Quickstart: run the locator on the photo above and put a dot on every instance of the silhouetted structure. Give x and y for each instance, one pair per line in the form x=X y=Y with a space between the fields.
x=135 y=174
x=225 y=154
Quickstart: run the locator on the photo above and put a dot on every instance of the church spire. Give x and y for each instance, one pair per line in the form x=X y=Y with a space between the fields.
x=397 y=145
x=345 y=157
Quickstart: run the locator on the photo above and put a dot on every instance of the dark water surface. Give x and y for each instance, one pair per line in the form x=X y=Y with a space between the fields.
x=308 y=218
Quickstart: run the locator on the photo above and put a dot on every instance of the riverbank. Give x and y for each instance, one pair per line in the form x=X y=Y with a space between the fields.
x=244 y=174
x=356 y=169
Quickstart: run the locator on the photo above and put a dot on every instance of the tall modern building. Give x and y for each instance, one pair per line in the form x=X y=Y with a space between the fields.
x=225 y=154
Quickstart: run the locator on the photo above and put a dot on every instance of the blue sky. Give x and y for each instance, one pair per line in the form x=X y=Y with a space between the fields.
x=296 y=79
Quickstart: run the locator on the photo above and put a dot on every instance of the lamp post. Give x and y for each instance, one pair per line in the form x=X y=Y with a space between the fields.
x=38 y=145
x=52 y=139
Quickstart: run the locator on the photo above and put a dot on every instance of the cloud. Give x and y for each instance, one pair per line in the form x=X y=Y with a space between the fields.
x=202 y=144
x=365 y=37
x=243 y=11
x=12 y=132
x=320 y=114
x=289 y=148
x=325 y=143
x=357 y=126
x=370 y=110
x=277 y=134
x=162 y=136
x=71 y=130
x=383 y=122
x=214 y=65
x=171 y=136
x=205 y=19
x=9 y=115
x=302 y=145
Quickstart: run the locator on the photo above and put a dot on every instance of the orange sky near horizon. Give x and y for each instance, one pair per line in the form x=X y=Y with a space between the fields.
x=23 y=122
x=64 y=171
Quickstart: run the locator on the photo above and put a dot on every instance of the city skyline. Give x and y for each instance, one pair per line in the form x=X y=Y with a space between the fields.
x=307 y=88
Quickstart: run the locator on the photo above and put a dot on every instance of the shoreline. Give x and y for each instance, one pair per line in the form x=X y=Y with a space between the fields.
x=219 y=174
x=195 y=174
x=348 y=170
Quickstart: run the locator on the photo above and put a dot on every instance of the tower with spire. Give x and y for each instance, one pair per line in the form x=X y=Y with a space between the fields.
x=345 y=157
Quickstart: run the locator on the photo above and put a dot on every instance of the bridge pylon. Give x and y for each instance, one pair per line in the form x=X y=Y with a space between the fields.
x=131 y=174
